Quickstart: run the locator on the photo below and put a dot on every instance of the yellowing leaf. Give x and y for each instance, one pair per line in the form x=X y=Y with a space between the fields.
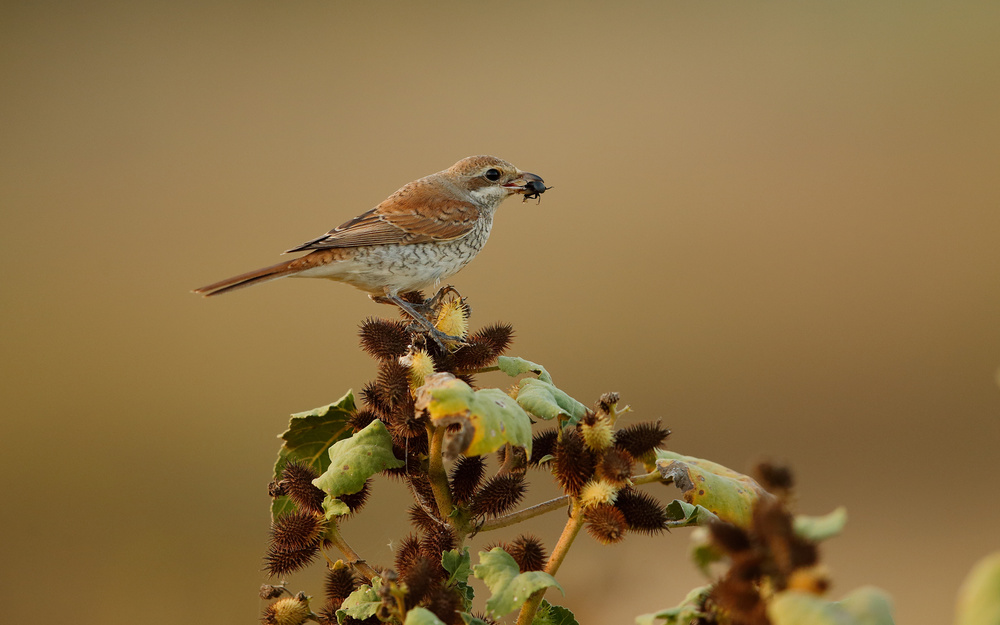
x=979 y=597
x=729 y=495
x=489 y=418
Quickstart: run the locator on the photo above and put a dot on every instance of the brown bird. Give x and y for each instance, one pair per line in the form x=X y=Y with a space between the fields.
x=418 y=236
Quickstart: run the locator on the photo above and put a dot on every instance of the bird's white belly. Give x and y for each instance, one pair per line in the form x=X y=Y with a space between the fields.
x=379 y=269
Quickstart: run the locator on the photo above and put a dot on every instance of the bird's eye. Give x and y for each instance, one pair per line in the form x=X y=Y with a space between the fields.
x=492 y=174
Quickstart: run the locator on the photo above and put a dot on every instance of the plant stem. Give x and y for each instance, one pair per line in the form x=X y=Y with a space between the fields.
x=527 y=513
x=436 y=473
x=649 y=478
x=569 y=533
x=355 y=560
x=479 y=370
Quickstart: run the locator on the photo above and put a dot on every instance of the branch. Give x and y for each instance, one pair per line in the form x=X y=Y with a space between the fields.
x=355 y=560
x=525 y=514
x=436 y=473
x=569 y=533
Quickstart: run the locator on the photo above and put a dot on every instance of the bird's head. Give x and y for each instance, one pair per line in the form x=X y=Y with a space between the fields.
x=490 y=180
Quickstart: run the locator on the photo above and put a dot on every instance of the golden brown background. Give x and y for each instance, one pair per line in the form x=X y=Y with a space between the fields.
x=774 y=225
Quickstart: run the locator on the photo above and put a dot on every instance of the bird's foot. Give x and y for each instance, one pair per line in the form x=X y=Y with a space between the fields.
x=419 y=313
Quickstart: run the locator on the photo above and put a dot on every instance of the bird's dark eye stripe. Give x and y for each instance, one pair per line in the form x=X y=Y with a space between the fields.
x=492 y=174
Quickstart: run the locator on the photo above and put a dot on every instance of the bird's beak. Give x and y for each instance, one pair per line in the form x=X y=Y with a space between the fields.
x=527 y=184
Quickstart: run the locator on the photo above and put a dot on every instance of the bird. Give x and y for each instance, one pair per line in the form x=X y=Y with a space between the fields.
x=423 y=233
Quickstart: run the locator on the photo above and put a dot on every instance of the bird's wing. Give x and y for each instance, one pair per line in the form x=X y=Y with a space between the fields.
x=417 y=213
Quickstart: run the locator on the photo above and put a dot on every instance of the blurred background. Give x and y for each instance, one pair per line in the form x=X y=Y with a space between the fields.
x=774 y=226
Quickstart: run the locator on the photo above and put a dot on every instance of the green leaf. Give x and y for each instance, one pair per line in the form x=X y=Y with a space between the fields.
x=865 y=606
x=422 y=616
x=471 y=620
x=871 y=606
x=514 y=367
x=509 y=586
x=489 y=418
x=307 y=438
x=545 y=401
x=362 y=603
x=817 y=528
x=548 y=614
x=729 y=495
x=684 y=614
x=682 y=514
x=334 y=507
x=459 y=566
x=355 y=459
x=979 y=596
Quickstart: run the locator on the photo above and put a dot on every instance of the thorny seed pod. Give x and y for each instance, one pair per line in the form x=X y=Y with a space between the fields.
x=608 y=401
x=641 y=439
x=407 y=554
x=340 y=582
x=296 y=482
x=528 y=552
x=453 y=318
x=297 y=530
x=775 y=479
x=597 y=431
x=740 y=599
x=574 y=463
x=543 y=443
x=615 y=466
x=420 y=365
x=420 y=519
x=288 y=611
x=606 y=523
x=404 y=423
x=473 y=355
x=419 y=578
x=361 y=419
x=597 y=492
x=499 y=495
x=384 y=339
x=328 y=615
x=772 y=525
x=437 y=541
x=643 y=513
x=482 y=616
x=372 y=396
x=466 y=475
x=393 y=383
x=446 y=604
x=422 y=491
x=279 y=561
x=498 y=335
x=356 y=501
x=729 y=537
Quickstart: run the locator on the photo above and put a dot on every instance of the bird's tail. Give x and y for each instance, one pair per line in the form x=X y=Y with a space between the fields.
x=252 y=277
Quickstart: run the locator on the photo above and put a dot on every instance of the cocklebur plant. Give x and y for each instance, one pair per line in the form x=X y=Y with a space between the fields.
x=425 y=421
